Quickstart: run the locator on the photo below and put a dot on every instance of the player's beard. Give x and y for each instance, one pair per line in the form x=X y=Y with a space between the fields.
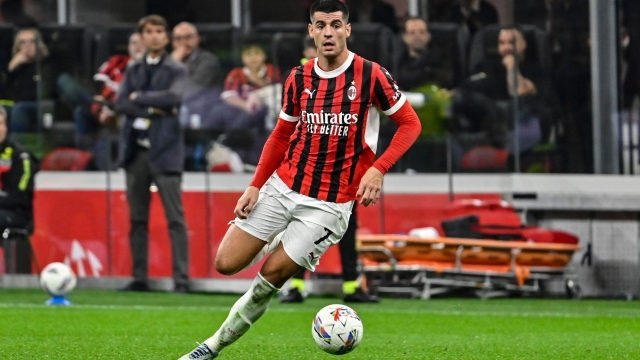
x=334 y=53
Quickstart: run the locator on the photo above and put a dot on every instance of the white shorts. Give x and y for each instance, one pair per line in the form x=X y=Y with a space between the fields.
x=310 y=225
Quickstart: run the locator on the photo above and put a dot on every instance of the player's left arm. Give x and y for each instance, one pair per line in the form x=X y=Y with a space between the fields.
x=395 y=105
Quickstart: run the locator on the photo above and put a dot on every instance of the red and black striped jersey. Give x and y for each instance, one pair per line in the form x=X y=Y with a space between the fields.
x=111 y=74
x=336 y=135
x=237 y=82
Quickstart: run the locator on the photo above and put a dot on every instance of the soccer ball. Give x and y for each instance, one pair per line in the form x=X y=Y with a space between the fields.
x=57 y=279
x=337 y=329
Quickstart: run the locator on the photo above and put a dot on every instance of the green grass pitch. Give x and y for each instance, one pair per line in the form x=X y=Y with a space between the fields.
x=115 y=325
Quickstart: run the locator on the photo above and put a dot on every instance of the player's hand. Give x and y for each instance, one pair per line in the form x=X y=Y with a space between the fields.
x=370 y=187
x=246 y=202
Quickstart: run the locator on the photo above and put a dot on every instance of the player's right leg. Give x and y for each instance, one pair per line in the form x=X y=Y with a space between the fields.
x=237 y=249
x=248 y=240
x=245 y=239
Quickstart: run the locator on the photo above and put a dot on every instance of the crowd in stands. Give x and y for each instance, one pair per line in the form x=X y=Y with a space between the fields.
x=461 y=60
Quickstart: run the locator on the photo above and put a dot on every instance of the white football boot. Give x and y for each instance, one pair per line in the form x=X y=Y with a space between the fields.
x=202 y=352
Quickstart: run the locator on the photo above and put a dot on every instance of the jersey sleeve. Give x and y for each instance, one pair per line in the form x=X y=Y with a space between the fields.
x=103 y=71
x=387 y=95
x=290 y=103
x=231 y=85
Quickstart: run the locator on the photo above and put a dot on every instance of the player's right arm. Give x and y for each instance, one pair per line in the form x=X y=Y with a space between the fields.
x=275 y=148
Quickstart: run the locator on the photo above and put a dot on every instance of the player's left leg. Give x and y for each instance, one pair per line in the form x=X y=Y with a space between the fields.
x=295 y=293
x=302 y=244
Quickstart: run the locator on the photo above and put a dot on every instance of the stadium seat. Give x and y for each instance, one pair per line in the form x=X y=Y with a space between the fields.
x=485 y=45
x=113 y=40
x=66 y=159
x=286 y=42
x=69 y=48
x=13 y=253
x=286 y=50
x=69 y=52
x=485 y=159
x=281 y=27
x=451 y=40
x=221 y=40
x=7 y=33
x=373 y=42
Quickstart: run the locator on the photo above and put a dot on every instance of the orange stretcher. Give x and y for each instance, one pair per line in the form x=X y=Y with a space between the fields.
x=426 y=267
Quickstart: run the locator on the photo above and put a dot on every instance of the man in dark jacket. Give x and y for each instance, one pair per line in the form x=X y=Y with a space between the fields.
x=17 y=167
x=421 y=64
x=203 y=66
x=152 y=149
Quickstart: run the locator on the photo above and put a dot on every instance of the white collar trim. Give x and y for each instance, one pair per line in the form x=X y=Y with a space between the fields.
x=151 y=61
x=333 y=73
x=262 y=73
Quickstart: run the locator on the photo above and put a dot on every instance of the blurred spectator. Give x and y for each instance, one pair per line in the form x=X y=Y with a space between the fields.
x=309 y=50
x=92 y=111
x=474 y=14
x=17 y=168
x=483 y=104
x=203 y=66
x=419 y=63
x=373 y=11
x=251 y=96
x=241 y=85
x=152 y=149
x=21 y=83
x=500 y=76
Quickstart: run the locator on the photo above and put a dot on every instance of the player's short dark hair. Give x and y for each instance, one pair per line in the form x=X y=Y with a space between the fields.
x=156 y=20
x=329 y=6
x=413 y=18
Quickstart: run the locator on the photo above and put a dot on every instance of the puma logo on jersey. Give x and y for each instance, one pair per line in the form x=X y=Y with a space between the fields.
x=310 y=92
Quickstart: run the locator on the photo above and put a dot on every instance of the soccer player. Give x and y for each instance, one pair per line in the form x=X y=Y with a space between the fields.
x=319 y=159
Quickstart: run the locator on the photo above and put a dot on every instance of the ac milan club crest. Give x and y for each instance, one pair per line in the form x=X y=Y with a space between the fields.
x=352 y=92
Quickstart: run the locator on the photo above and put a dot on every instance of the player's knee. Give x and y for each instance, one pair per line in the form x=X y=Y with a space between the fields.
x=226 y=267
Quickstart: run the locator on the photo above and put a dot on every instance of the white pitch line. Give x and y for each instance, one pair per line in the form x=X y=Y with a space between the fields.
x=377 y=310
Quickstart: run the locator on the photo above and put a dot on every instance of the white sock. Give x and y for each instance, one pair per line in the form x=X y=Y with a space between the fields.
x=247 y=310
